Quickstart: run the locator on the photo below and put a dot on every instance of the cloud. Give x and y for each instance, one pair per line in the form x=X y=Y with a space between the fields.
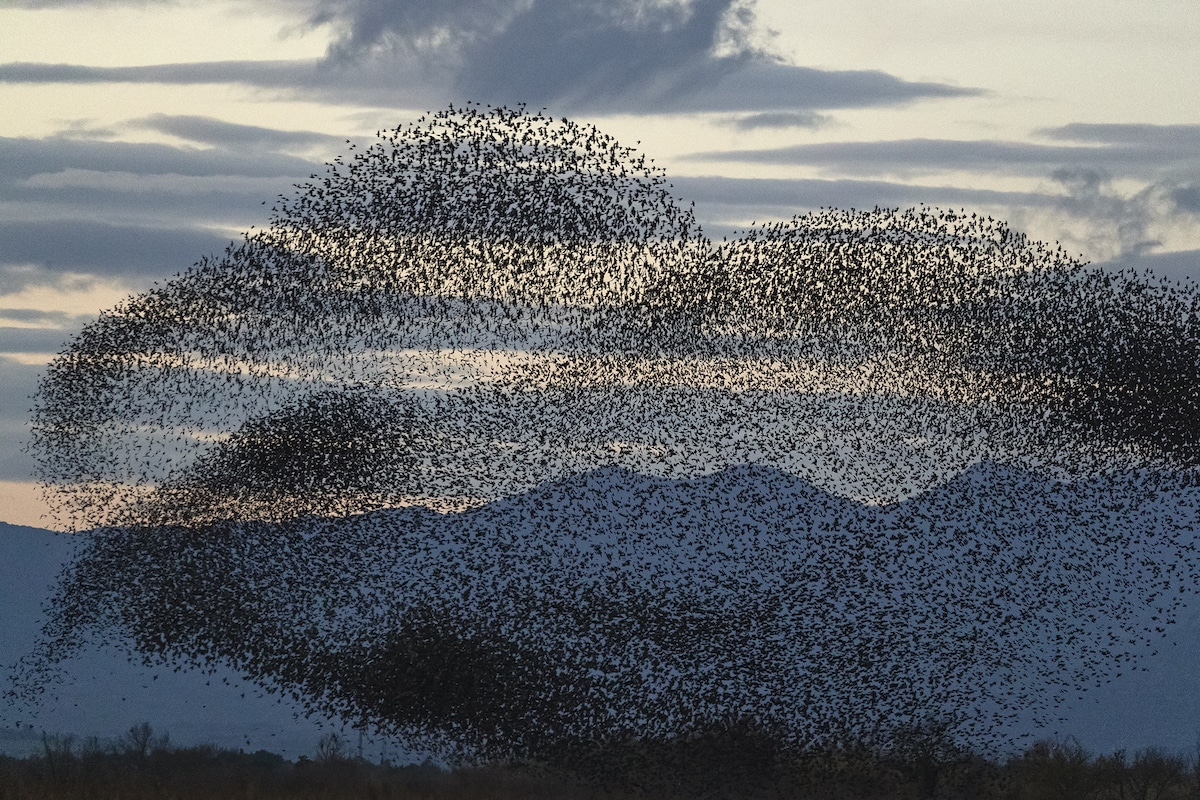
x=1119 y=223
x=364 y=25
x=629 y=56
x=810 y=193
x=397 y=81
x=24 y=157
x=726 y=205
x=31 y=340
x=19 y=384
x=36 y=317
x=1123 y=220
x=594 y=56
x=76 y=210
x=1085 y=198
x=781 y=119
x=215 y=132
x=1187 y=198
x=47 y=252
x=909 y=156
x=1184 y=137
x=260 y=73
x=1181 y=265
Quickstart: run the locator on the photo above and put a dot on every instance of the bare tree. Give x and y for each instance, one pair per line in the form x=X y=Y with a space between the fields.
x=331 y=747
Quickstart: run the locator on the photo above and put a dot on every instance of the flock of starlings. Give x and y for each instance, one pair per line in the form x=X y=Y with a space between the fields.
x=483 y=443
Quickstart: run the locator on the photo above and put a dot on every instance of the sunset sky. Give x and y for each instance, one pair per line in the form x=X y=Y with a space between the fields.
x=136 y=137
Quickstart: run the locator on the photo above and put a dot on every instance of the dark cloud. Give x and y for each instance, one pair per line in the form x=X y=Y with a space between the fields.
x=754 y=85
x=32 y=340
x=219 y=133
x=1142 y=134
x=810 y=193
x=15 y=465
x=159 y=201
x=903 y=156
x=1124 y=223
x=781 y=119
x=121 y=208
x=725 y=205
x=78 y=210
x=43 y=318
x=1114 y=224
x=259 y=73
x=630 y=56
x=395 y=81
x=44 y=252
x=24 y=157
x=600 y=55
x=618 y=85
x=1187 y=198
x=622 y=56
x=16 y=393
x=1181 y=265
x=364 y=25
x=1081 y=189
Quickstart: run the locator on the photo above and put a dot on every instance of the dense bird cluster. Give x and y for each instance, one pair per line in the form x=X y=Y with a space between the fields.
x=483 y=442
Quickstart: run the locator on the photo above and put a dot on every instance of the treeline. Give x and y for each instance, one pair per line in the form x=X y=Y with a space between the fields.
x=732 y=763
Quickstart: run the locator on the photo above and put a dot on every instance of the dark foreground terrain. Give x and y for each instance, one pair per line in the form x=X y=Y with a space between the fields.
x=735 y=762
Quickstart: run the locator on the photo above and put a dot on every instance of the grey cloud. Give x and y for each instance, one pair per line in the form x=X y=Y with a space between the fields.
x=1143 y=134
x=1187 y=198
x=1124 y=223
x=902 y=156
x=211 y=203
x=723 y=204
x=581 y=54
x=20 y=381
x=24 y=157
x=1181 y=265
x=219 y=133
x=368 y=24
x=774 y=86
x=148 y=186
x=404 y=82
x=816 y=193
x=1081 y=192
x=15 y=465
x=43 y=252
x=16 y=390
x=781 y=119
x=31 y=340
x=259 y=73
x=630 y=56
x=595 y=54
x=43 y=318
x=613 y=86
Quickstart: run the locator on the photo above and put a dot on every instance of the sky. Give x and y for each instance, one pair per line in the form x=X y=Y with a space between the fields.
x=137 y=137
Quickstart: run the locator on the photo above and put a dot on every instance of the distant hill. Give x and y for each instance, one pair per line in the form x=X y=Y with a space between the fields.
x=796 y=592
